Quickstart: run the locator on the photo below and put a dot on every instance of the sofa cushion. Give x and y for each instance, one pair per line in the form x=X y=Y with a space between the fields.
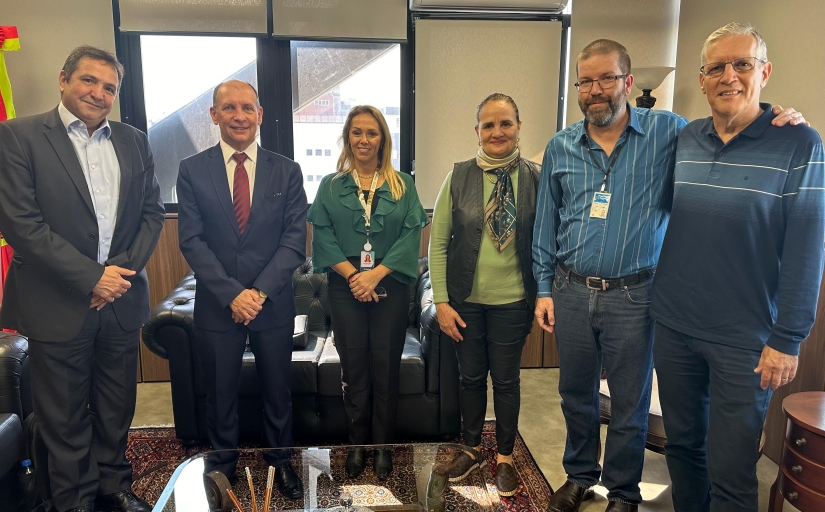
x=304 y=368
x=11 y=441
x=411 y=373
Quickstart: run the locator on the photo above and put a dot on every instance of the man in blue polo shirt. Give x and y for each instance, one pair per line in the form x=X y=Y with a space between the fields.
x=603 y=203
x=739 y=274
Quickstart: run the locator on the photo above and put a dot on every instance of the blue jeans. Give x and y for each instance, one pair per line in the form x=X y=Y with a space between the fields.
x=610 y=329
x=713 y=410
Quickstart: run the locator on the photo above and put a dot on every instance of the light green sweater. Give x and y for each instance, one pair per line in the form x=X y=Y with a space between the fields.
x=497 y=279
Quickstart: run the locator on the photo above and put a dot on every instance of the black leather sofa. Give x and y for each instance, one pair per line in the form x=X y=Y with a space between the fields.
x=15 y=404
x=428 y=405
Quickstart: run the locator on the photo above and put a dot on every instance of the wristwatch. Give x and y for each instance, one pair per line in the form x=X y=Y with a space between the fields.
x=261 y=294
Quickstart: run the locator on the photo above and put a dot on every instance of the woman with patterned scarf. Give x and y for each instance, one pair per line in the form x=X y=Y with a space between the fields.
x=483 y=286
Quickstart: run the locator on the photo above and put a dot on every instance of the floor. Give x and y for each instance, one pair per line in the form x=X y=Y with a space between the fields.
x=540 y=424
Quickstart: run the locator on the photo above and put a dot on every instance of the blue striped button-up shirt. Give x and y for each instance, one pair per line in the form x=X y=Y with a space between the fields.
x=640 y=184
x=102 y=171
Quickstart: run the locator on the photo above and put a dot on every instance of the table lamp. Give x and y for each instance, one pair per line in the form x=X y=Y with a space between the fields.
x=648 y=79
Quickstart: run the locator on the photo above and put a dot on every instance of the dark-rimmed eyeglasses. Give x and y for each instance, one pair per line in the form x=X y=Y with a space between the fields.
x=605 y=82
x=743 y=65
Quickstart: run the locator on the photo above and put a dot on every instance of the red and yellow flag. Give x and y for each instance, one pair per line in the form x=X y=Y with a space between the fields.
x=8 y=43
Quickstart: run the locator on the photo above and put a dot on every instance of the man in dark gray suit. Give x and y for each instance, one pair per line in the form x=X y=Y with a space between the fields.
x=80 y=204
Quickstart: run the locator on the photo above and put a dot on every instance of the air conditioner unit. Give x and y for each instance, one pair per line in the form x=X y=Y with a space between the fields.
x=490 y=6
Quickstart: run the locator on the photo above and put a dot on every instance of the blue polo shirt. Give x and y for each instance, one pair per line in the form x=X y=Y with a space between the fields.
x=742 y=259
x=629 y=239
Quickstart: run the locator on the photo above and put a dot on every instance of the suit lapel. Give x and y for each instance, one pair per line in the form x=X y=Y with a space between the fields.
x=217 y=170
x=263 y=175
x=124 y=159
x=59 y=139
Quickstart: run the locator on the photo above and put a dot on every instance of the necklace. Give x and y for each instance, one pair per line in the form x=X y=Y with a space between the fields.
x=365 y=177
x=490 y=177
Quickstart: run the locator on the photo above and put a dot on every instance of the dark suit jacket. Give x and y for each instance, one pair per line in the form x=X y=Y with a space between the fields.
x=225 y=261
x=47 y=216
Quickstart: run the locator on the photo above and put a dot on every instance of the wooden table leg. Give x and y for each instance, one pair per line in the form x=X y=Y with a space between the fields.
x=776 y=500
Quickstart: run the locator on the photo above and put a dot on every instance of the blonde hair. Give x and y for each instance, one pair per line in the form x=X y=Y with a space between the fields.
x=345 y=161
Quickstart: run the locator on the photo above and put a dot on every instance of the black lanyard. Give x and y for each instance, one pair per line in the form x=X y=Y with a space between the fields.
x=610 y=165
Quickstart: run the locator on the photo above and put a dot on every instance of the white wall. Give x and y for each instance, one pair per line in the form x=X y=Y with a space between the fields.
x=647 y=28
x=48 y=31
x=793 y=30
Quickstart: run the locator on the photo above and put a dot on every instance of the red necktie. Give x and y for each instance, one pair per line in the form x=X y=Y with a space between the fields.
x=240 y=191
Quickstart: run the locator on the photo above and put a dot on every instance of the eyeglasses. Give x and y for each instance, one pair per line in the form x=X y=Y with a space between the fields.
x=381 y=292
x=743 y=65
x=605 y=82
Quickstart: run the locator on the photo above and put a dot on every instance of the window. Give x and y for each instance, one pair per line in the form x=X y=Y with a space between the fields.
x=309 y=177
x=179 y=74
x=309 y=152
x=332 y=78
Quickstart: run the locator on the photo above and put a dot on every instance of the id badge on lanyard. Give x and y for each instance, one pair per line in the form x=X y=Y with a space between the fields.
x=368 y=255
x=601 y=199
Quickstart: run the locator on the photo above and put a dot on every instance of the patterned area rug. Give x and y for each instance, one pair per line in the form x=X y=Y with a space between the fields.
x=155 y=453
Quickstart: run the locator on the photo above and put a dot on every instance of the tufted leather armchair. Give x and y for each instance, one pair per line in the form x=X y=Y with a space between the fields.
x=428 y=402
x=15 y=404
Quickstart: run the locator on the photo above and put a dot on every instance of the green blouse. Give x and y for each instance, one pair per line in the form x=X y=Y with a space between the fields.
x=338 y=230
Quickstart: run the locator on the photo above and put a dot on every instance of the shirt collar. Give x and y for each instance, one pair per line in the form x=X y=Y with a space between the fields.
x=251 y=152
x=70 y=121
x=753 y=130
x=580 y=134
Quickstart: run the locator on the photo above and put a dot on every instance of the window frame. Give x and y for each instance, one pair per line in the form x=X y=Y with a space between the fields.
x=277 y=86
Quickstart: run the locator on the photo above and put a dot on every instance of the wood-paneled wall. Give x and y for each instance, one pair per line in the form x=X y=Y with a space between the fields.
x=165 y=269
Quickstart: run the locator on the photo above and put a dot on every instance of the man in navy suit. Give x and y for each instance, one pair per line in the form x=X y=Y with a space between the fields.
x=242 y=227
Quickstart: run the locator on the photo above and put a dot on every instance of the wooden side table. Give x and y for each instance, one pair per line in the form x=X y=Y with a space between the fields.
x=801 y=477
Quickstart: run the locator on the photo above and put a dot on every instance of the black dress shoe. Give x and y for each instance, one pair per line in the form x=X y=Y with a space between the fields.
x=569 y=498
x=123 y=501
x=382 y=464
x=288 y=482
x=356 y=462
x=89 y=507
x=616 y=506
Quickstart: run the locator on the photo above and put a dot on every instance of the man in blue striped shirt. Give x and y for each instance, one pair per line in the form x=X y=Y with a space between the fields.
x=739 y=276
x=603 y=203
x=602 y=208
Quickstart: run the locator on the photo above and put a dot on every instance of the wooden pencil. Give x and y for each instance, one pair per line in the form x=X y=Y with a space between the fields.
x=251 y=489
x=270 y=476
x=235 y=500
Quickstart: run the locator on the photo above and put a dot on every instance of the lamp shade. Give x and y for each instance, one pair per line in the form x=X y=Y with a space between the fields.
x=651 y=77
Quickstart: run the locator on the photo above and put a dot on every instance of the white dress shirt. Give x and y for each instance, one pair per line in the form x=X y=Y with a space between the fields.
x=101 y=169
x=249 y=164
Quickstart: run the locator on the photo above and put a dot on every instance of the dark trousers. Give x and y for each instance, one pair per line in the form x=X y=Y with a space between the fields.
x=493 y=341
x=609 y=329
x=84 y=399
x=713 y=409
x=221 y=356
x=369 y=338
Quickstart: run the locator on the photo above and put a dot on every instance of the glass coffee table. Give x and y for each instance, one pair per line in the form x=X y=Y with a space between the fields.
x=417 y=482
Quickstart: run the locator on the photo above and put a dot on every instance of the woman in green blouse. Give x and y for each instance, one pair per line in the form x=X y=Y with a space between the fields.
x=367 y=222
x=483 y=286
